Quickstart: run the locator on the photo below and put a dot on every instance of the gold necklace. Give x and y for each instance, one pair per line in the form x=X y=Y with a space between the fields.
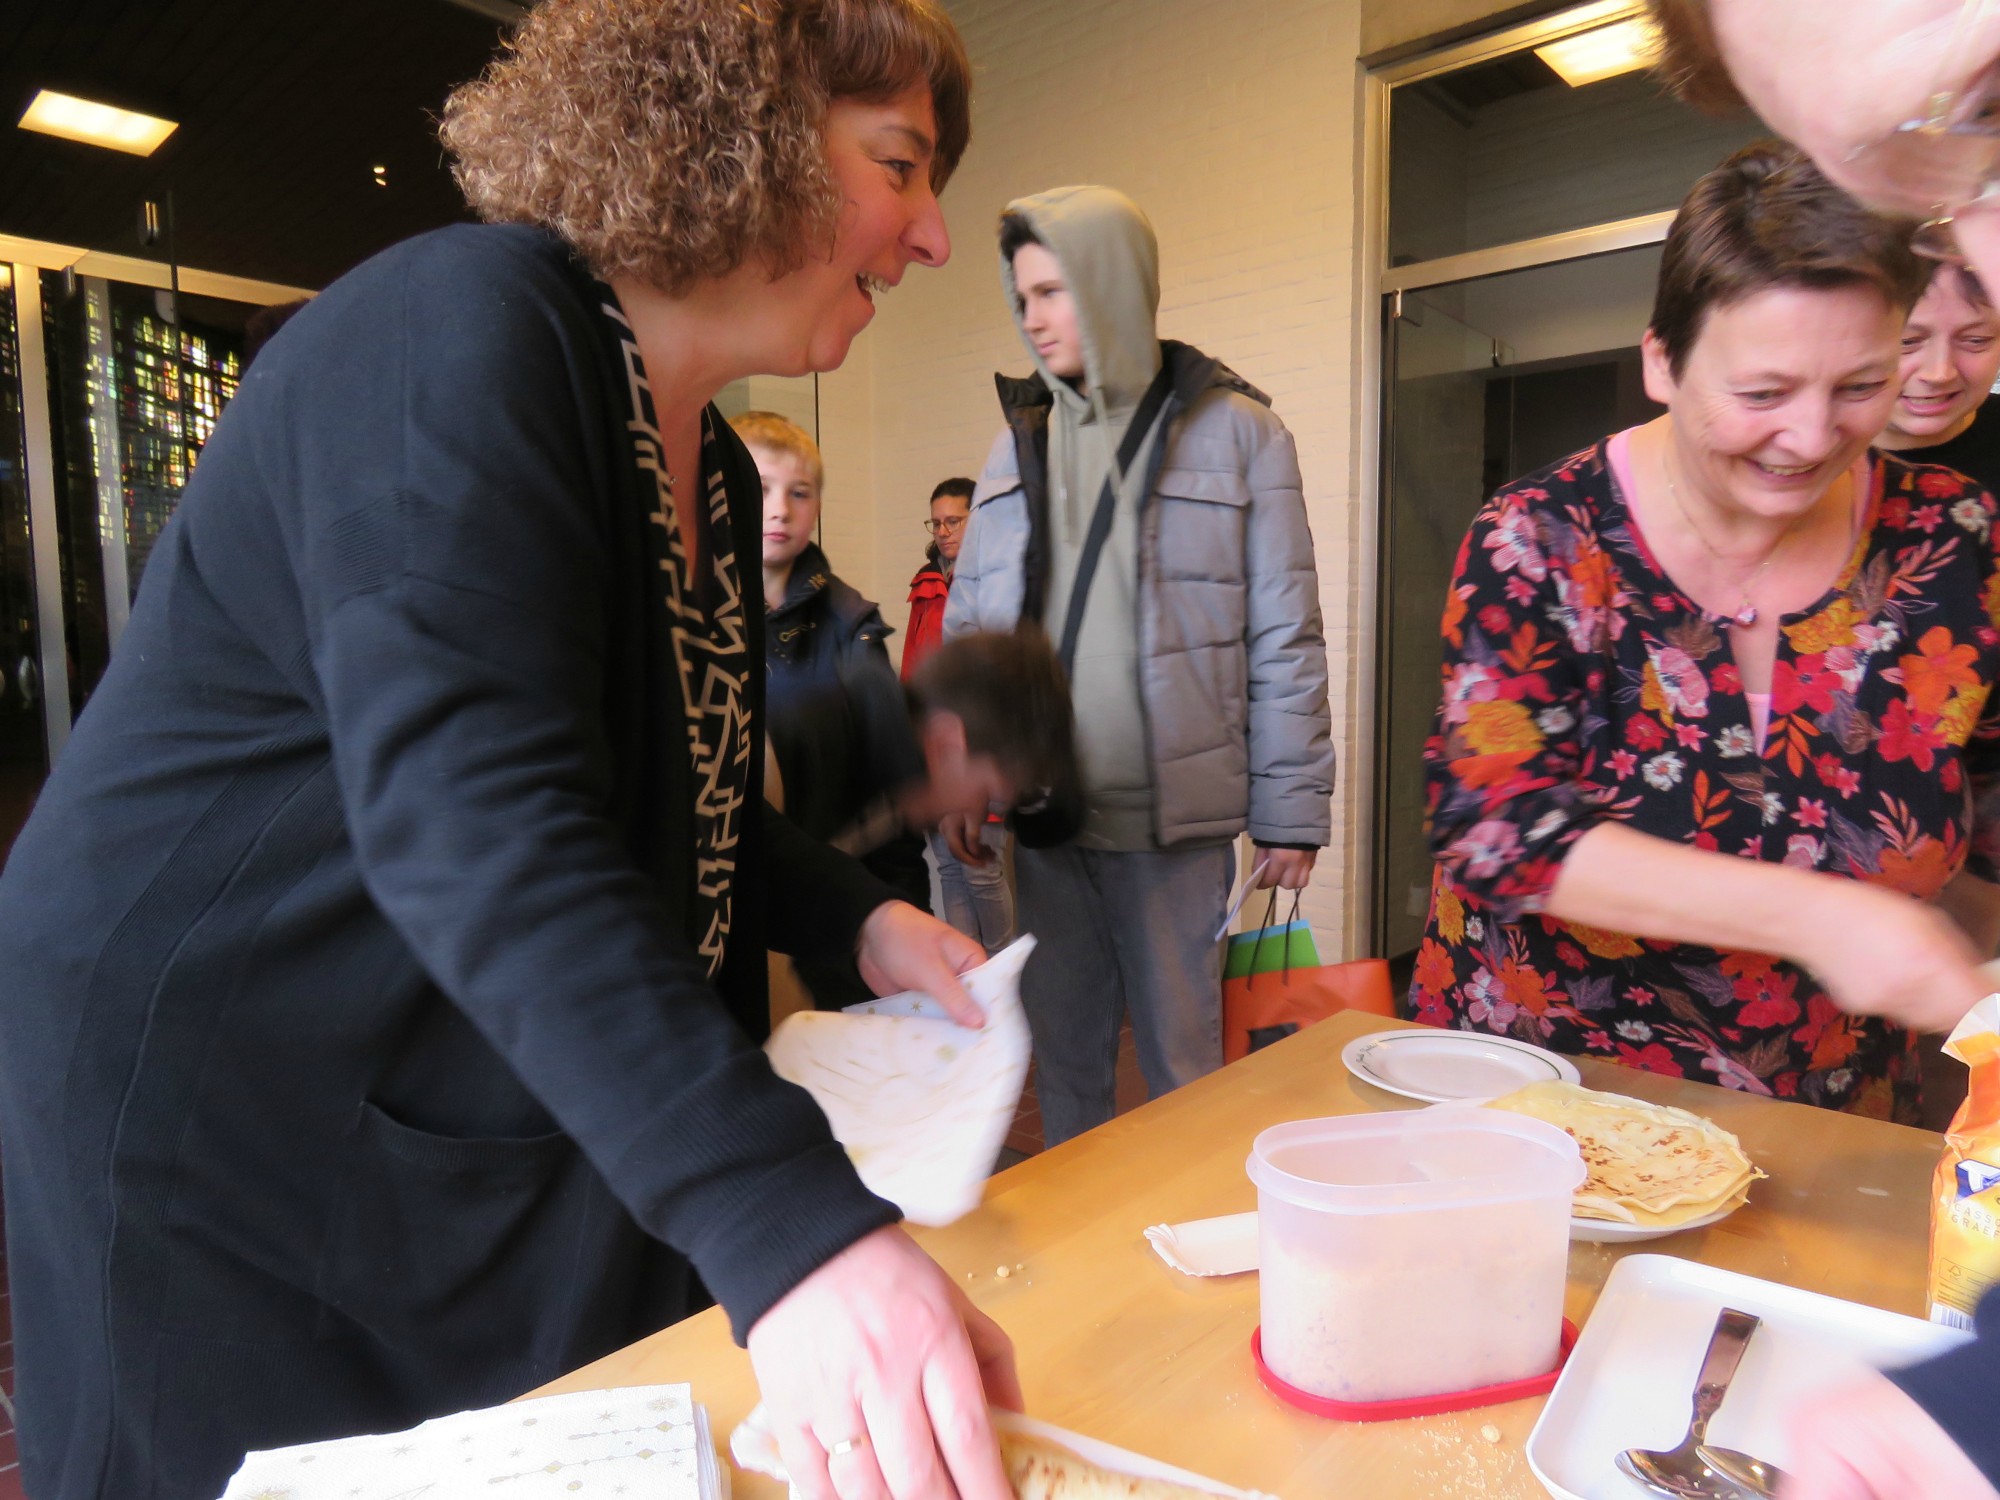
x=1746 y=612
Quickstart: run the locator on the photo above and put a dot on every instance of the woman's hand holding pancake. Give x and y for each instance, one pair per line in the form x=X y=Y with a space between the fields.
x=877 y=1372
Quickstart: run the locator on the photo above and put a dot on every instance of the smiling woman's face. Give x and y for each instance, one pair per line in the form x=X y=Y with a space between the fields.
x=1951 y=354
x=880 y=156
x=1779 y=394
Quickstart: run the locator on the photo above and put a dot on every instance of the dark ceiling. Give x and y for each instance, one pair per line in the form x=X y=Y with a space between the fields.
x=285 y=107
x=1472 y=89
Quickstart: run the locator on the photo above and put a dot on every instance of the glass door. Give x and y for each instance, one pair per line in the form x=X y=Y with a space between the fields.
x=108 y=392
x=136 y=384
x=1434 y=462
x=1486 y=381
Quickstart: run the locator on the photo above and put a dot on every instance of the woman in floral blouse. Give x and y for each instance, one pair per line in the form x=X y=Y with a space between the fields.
x=1715 y=745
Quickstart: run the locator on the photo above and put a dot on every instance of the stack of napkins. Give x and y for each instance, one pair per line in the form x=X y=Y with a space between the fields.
x=921 y=1103
x=650 y=1440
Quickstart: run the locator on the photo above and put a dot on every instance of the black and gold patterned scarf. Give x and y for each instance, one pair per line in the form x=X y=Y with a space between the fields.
x=711 y=653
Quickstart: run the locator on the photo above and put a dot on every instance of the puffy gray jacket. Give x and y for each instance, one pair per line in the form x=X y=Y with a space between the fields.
x=1233 y=660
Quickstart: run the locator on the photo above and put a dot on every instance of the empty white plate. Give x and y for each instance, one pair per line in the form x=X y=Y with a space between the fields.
x=1442 y=1066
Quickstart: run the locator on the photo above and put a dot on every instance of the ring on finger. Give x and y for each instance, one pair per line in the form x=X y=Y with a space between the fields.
x=847 y=1445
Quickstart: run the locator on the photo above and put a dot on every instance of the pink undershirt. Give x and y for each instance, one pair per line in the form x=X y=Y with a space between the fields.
x=1619 y=450
x=1760 y=716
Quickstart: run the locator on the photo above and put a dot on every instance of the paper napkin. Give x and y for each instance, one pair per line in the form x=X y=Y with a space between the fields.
x=1208 y=1247
x=648 y=1440
x=921 y=1103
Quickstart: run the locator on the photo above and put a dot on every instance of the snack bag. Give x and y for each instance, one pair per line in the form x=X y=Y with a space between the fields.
x=1965 y=1194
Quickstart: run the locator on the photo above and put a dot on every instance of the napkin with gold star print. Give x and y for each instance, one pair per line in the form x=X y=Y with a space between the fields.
x=649 y=1441
x=921 y=1104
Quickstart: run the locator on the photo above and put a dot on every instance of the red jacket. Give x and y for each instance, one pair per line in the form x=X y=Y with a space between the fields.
x=928 y=591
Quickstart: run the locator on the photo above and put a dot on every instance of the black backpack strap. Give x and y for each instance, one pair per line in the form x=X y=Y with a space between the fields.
x=1030 y=427
x=1107 y=504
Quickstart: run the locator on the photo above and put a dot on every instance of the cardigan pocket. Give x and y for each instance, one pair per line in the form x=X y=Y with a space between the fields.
x=451 y=1240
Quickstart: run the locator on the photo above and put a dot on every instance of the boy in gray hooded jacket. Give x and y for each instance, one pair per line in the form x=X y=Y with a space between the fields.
x=1144 y=506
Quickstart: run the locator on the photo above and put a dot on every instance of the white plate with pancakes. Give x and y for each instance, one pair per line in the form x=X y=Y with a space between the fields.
x=1653 y=1170
x=1611 y=1232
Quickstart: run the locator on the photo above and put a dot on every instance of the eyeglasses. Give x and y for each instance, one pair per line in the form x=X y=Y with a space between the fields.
x=947 y=525
x=1941 y=164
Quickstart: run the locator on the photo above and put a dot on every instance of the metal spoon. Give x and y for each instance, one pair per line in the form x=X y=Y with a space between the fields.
x=1679 y=1472
x=1740 y=1469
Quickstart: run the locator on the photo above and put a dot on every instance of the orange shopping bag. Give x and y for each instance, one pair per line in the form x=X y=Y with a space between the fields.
x=1259 y=1009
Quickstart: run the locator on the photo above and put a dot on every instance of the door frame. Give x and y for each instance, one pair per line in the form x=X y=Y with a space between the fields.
x=51 y=636
x=1376 y=292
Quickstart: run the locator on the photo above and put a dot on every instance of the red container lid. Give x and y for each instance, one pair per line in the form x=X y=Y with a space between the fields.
x=1411 y=1406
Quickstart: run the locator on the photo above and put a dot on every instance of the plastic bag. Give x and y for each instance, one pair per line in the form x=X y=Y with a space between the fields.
x=1965 y=1194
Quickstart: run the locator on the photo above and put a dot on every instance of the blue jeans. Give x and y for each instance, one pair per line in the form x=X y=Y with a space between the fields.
x=1118 y=932
x=977 y=900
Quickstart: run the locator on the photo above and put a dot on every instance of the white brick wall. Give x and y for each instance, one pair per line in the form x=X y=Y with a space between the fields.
x=1234 y=125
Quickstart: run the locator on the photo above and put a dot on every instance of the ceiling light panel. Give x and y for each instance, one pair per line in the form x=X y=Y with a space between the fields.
x=96 y=124
x=1591 y=56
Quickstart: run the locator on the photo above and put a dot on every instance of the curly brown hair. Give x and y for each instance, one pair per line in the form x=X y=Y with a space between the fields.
x=675 y=140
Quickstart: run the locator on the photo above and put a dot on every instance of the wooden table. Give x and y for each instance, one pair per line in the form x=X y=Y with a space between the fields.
x=1113 y=1343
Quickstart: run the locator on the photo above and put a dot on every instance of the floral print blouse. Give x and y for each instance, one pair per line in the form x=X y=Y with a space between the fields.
x=1580 y=685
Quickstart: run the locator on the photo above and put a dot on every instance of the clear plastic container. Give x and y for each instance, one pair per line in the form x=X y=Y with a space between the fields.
x=1412 y=1253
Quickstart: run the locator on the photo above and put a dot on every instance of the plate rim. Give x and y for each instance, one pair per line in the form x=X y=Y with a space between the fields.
x=1640 y=1233
x=1350 y=1055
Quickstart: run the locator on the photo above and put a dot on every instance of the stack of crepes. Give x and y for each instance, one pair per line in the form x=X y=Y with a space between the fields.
x=1648 y=1164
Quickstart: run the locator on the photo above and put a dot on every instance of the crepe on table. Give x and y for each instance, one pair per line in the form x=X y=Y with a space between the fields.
x=1038 y=1469
x=1648 y=1164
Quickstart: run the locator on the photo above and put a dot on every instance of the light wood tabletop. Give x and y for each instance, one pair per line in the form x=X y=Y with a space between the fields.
x=1114 y=1344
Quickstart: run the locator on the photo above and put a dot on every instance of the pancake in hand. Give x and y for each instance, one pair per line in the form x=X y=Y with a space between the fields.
x=1042 y=1470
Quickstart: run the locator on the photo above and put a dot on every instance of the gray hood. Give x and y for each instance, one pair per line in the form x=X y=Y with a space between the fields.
x=1111 y=260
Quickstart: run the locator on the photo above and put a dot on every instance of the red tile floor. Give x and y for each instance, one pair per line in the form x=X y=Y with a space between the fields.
x=1025 y=1139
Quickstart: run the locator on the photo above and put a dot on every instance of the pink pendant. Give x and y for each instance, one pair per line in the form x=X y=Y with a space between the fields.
x=1747 y=615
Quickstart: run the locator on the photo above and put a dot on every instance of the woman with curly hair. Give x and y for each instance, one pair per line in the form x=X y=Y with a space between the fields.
x=385 y=957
